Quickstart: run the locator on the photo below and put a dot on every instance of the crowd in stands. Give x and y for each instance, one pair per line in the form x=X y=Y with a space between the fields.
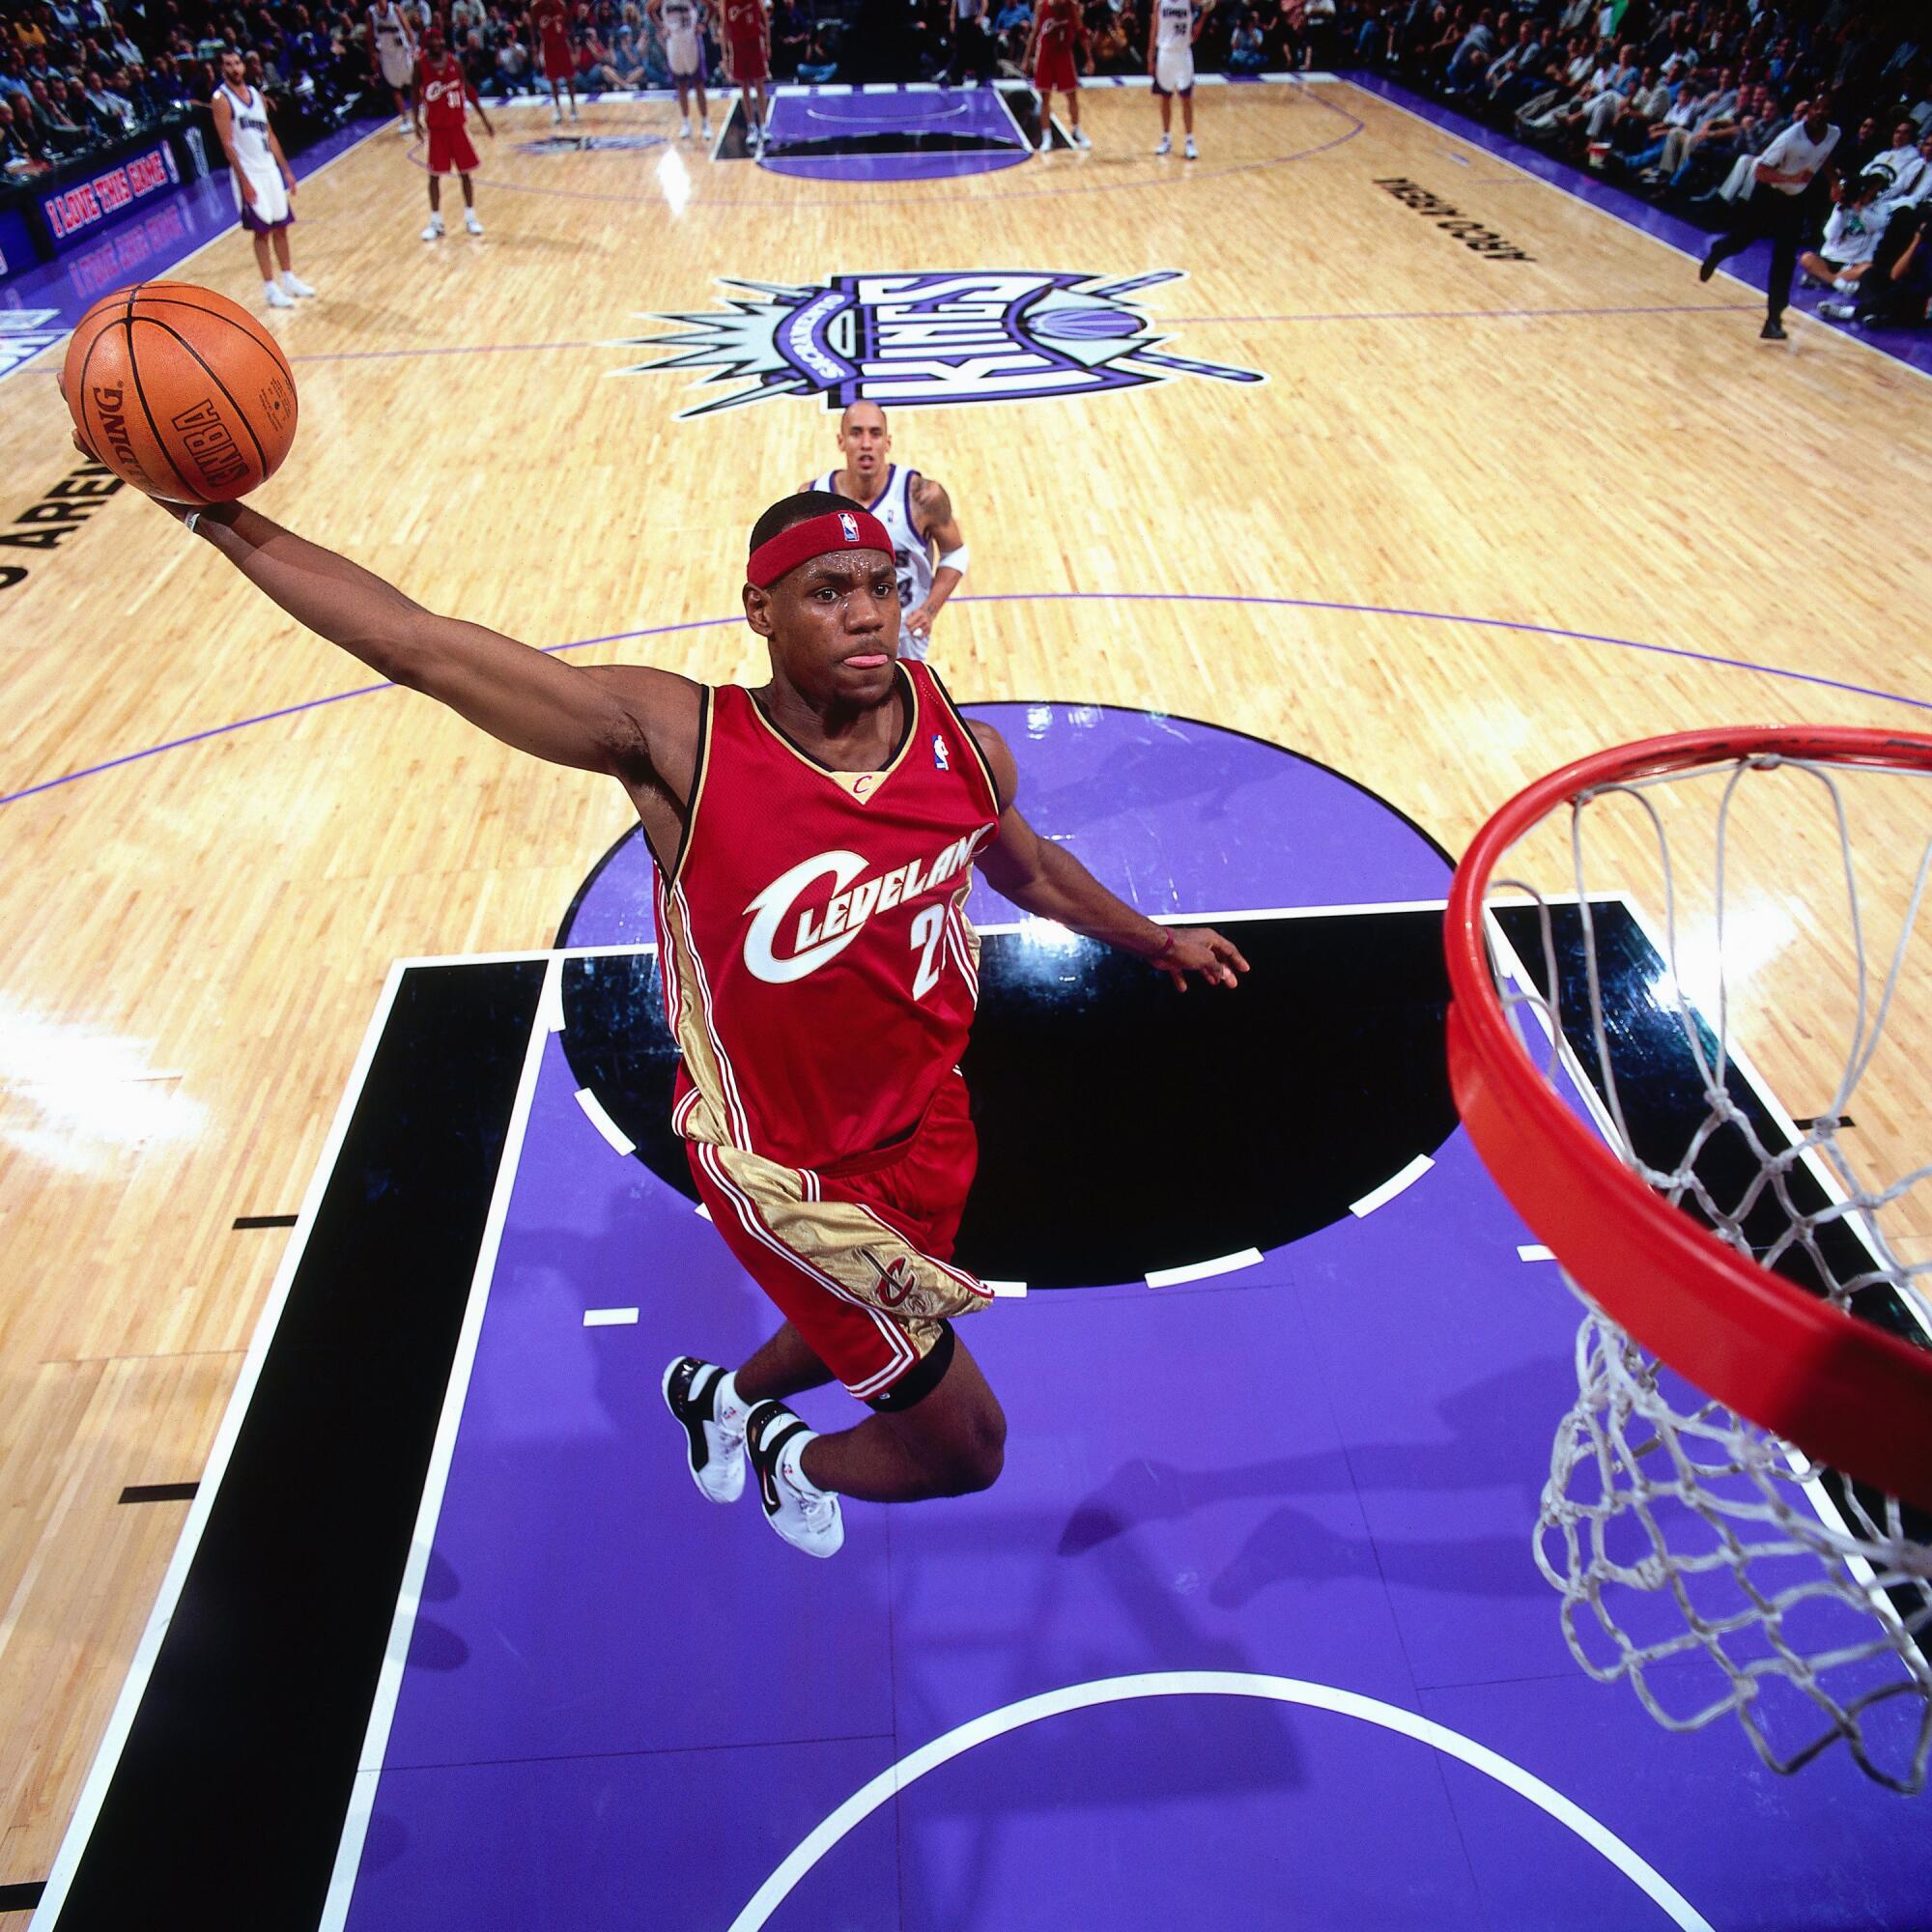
x=1676 y=103
x=79 y=75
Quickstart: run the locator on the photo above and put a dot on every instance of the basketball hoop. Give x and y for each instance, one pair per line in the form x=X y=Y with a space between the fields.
x=1742 y=1477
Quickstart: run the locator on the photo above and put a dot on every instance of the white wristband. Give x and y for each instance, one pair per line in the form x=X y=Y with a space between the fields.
x=953 y=559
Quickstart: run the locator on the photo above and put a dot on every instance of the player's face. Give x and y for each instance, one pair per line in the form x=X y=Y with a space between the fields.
x=863 y=439
x=232 y=70
x=834 y=625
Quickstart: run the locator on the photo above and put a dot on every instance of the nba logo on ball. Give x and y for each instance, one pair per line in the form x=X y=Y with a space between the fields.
x=850 y=526
x=910 y=341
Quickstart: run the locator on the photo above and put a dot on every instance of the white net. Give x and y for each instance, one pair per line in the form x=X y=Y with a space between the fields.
x=1716 y=1567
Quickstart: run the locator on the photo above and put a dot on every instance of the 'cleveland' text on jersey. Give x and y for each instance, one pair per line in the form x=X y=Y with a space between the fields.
x=819 y=971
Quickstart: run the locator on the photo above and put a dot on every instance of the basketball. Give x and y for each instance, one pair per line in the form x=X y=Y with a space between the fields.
x=180 y=392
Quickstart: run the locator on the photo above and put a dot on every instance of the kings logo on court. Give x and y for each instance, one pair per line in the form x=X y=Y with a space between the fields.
x=913 y=341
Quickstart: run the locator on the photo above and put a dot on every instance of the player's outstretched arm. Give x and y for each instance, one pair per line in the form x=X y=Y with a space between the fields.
x=527 y=698
x=1049 y=882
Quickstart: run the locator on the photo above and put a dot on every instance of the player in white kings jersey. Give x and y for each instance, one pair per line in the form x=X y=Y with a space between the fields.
x=265 y=185
x=928 y=551
x=681 y=26
x=1171 y=36
x=392 y=58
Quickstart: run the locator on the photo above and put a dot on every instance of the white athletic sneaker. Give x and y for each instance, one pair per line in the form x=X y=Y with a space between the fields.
x=573 y=110
x=1166 y=145
x=714 y=1444
x=1191 y=151
x=471 y=222
x=434 y=231
x=809 y=1519
x=295 y=284
x=556 y=115
x=704 y=130
x=1046 y=141
x=684 y=128
x=1080 y=139
x=404 y=128
x=277 y=298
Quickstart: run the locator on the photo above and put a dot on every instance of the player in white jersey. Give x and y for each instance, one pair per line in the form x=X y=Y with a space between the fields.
x=265 y=185
x=681 y=27
x=392 y=56
x=1172 y=32
x=928 y=551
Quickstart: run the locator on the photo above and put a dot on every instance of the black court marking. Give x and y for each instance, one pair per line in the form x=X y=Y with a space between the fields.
x=22 y=1897
x=158 y=1493
x=1126 y=1127
x=228 y=1795
x=265 y=1221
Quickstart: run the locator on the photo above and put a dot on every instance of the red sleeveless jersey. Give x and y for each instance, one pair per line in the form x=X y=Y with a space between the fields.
x=442 y=90
x=818 y=969
x=744 y=22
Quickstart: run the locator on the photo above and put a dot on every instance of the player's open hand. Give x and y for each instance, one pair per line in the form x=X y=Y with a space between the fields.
x=1199 y=949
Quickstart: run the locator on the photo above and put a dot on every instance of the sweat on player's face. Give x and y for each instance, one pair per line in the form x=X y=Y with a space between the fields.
x=832 y=579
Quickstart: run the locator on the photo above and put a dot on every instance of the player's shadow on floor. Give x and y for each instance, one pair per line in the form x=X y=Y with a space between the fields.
x=1478 y=1453
x=1147 y=780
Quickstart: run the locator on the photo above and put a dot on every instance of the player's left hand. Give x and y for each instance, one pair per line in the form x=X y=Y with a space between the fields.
x=1199 y=949
x=919 y=621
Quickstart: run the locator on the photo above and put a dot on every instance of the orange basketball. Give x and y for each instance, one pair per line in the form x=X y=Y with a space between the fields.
x=180 y=392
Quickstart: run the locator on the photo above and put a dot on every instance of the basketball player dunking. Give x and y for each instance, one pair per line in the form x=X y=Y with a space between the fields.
x=1172 y=32
x=928 y=551
x=747 y=49
x=265 y=185
x=392 y=56
x=1057 y=33
x=441 y=90
x=815 y=839
x=681 y=28
x=552 y=20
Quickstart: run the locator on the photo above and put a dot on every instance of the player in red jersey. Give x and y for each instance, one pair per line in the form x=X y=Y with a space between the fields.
x=442 y=89
x=1056 y=30
x=748 y=60
x=813 y=839
x=552 y=20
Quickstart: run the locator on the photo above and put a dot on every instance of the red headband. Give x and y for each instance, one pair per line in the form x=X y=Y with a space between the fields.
x=838 y=529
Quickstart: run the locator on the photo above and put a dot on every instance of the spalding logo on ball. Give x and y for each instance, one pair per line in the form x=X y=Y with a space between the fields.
x=180 y=392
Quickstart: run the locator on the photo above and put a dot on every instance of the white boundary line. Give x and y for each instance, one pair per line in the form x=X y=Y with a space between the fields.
x=1630 y=228
x=1396 y=1184
x=409 y=1599
x=615 y=1137
x=894 y=1780
x=1173 y=1277
x=74 y=1841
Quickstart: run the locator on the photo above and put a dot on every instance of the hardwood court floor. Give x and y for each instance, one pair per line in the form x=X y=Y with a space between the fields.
x=1463 y=479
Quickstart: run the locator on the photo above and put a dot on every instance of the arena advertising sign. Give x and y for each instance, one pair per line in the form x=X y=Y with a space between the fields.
x=914 y=341
x=82 y=206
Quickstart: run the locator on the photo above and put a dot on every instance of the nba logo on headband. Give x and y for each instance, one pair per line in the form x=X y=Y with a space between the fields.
x=850 y=526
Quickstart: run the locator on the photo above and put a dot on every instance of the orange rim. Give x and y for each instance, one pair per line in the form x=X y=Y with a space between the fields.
x=1845 y=1392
